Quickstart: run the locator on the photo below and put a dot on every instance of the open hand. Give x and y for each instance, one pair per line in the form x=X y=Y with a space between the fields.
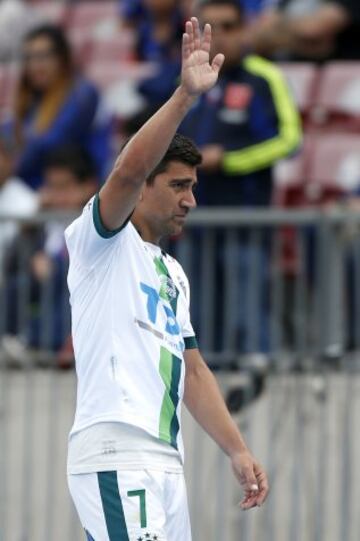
x=252 y=478
x=197 y=74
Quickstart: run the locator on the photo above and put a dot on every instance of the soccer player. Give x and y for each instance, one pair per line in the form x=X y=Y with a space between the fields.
x=135 y=349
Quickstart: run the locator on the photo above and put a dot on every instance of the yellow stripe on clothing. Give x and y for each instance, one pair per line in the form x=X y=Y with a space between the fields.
x=264 y=154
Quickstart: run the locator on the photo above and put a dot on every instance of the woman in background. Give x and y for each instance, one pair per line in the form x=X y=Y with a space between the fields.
x=55 y=106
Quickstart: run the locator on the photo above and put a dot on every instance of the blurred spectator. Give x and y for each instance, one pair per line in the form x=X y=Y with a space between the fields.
x=246 y=123
x=54 y=106
x=131 y=10
x=159 y=25
x=16 y=199
x=315 y=29
x=156 y=19
x=40 y=258
x=255 y=8
x=243 y=126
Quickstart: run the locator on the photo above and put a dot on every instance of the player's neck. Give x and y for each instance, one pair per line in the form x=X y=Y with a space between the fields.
x=145 y=231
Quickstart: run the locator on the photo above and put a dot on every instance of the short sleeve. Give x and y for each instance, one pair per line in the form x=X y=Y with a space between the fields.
x=187 y=330
x=87 y=239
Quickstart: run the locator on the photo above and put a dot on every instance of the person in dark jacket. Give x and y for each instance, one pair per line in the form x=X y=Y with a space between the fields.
x=243 y=126
x=246 y=123
x=54 y=106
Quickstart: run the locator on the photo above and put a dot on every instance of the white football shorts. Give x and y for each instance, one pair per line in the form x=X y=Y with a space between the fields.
x=139 y=505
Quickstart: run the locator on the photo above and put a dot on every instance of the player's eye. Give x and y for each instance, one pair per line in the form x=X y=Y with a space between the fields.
x=178 y=186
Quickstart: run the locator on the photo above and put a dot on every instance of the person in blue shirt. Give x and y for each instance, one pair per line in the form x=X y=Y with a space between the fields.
x=159 y=27
x=133 y=10
x=54 y=106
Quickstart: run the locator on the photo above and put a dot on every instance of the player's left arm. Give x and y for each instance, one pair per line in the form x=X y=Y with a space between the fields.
x=204 y=401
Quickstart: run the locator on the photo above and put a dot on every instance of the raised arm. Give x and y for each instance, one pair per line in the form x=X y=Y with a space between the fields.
x=145 y=150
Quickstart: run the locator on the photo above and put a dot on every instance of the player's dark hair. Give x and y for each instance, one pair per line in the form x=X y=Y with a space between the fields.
x=74 y=159
x=181 y=149
x=236 y=4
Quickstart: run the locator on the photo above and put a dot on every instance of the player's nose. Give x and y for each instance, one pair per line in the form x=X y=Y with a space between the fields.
x=189 y=201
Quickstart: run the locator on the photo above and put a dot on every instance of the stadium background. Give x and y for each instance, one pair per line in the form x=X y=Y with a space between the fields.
x=297 y=402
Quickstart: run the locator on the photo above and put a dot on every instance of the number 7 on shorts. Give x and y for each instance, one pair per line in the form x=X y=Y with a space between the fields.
x=141 y=495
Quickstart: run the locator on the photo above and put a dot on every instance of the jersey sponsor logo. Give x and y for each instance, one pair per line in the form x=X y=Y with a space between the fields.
x=171 y=343
x=155 y=303
x=160 y=310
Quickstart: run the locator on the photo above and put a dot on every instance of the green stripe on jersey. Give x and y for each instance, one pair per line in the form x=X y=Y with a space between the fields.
x=112 y=505
x=170 y=371
x=163 y=272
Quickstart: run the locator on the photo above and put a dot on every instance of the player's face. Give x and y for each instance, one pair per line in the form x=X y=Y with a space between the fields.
x=227 y=31
x=167 y=202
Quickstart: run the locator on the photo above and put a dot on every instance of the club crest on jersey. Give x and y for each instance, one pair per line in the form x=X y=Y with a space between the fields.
x=168 y=288
x=154 y=304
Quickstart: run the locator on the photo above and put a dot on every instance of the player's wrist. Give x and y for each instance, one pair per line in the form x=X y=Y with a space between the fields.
x=185 y=98
x=237 y=448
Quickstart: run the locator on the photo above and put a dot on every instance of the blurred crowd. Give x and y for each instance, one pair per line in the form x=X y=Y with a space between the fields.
x=78 y=78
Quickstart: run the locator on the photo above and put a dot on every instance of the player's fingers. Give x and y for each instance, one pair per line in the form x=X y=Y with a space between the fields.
x=263 y=484
x=263 y=492
x=190 y=32
x=249 y=502
x=186 y=46
x=197 y=33
x=206 y=38
x=248 y=480
x=218 y=62
x=261 y=497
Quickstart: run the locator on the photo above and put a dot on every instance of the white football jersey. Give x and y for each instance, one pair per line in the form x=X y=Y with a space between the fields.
x=130 y=326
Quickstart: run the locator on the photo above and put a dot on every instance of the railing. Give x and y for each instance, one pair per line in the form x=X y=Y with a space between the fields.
x=281 y=283
x=285 y=284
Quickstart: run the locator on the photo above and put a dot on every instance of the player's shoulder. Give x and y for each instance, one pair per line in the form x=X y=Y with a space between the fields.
x=90 y=218
x=77 y=222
